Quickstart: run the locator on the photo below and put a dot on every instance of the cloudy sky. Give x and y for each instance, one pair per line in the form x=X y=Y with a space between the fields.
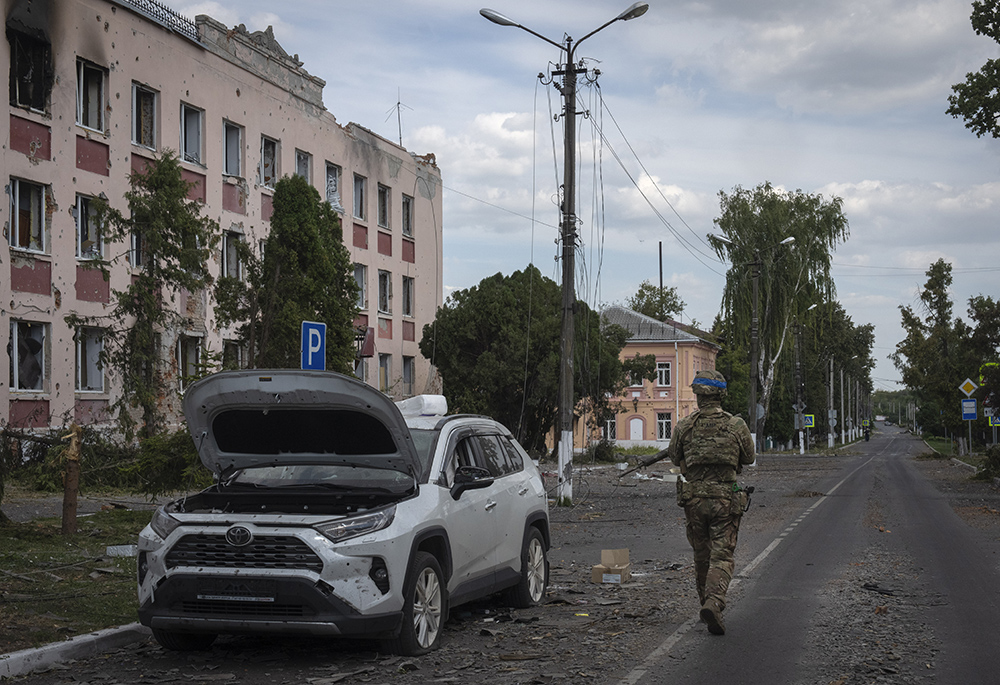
x=840 y=98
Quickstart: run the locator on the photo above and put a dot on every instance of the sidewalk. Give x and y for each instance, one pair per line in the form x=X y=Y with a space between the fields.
x=82 y=646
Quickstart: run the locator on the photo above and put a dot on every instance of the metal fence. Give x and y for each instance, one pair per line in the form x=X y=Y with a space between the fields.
x=164 y=16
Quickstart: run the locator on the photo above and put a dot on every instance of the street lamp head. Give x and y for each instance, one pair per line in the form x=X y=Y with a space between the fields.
x=788 y=241
x=496 y=17
x=636 y=10
x=721 y=239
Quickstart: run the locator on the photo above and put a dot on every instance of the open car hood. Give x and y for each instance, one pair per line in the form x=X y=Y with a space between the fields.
x=242 y=419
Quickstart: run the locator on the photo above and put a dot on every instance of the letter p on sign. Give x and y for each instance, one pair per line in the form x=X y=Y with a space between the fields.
x=314 y=345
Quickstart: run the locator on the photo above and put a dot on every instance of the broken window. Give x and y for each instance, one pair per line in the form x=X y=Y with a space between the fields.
x=232 y=355
x=89 y=370
x=31 y=73
x=406 y=220
x=143 y=116
x=384 y=371
x=268 y=161
x=303 y=165
x=360 y=183
x=90 y=80
x=384 y=206
x=409 y=287
x=137 y=251
x=188 y=359
x=191 y=127
x=232 y=139
x=27 y=215
x=231 y=265
x=361 y=277
x=409 y=373
x=88 y=233
x=384 y=292
x=333 y=186
x=26 y=350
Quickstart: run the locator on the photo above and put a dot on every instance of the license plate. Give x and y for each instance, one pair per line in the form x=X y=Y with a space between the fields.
x=237 y=591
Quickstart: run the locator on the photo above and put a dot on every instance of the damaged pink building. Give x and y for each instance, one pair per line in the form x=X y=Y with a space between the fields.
x=99 y=87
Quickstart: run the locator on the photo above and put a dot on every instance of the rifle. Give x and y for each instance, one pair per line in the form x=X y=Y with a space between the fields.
x=662 y=454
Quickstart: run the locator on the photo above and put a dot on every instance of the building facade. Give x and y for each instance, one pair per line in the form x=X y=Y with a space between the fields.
x=100 y=87
x=650 y=409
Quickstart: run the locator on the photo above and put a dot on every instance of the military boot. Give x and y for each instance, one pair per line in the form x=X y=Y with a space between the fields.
x=711 y=613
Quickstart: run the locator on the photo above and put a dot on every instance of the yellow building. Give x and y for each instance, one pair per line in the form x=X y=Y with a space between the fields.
x=650 y=409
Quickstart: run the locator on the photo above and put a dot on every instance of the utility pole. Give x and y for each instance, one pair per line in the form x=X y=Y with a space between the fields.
x=799 y=420
x=831 y=422
x=842 y=421
x=754 y=350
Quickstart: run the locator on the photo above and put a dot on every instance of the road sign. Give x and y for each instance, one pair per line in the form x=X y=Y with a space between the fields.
x=995 y=420
x=968 y=387
x=989 y=411
x=809 y=420
x=314 y=345
x=968 y=410
x=866 y=422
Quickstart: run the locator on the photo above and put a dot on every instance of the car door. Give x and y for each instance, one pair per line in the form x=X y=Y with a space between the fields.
x=471 y=520
x=509 y=491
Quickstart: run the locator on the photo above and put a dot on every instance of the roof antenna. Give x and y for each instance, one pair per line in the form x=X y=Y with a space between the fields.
x=398 y=109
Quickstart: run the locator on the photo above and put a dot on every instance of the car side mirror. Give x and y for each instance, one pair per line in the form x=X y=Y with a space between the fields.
x=470 y=478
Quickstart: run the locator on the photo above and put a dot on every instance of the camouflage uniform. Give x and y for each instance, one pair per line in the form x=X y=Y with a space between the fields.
x=711 y=446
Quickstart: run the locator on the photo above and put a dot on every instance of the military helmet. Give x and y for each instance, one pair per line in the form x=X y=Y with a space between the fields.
x=709 y=382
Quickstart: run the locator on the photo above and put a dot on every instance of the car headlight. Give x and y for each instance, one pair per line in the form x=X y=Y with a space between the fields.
x=163 y=524
x=344 y=529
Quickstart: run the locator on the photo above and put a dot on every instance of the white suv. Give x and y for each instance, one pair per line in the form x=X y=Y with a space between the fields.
x=337 y=512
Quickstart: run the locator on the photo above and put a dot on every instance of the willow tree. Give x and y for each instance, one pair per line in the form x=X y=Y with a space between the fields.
x=791 y=276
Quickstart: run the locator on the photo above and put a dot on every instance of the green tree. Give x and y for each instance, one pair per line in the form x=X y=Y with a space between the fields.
x=496 y=346
x=306 y=274
x=654 y=302
x=174 y=243
x=977 y=99
x=791 y=277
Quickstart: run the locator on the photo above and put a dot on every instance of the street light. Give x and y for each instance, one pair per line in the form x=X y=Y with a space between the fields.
x=754 y=324
x=564 y=491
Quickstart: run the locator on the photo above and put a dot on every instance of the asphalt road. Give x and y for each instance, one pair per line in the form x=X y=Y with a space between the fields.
x=877 y=508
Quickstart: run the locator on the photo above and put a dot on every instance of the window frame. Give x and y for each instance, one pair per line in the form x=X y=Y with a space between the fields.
x=384 y=371
x=190 y=113
x=229 y=127
x=360 y=197
x=303 y=164
x=409 y=375
x=139 y=90
x=261 y=177
x=136 y=250
x=41 y=358
x=83 y=214
x=610 y=429
x=409 y=295
x=38 y=55
x=228 y=346
x=333 y=195
x=83 y=334
x=660 y=368
x=406 y=216
x=85 y=68
x=384 y=207
x=230 y=254
x=664 y=425
x=15 y=217
x=362 y=271
x=384 y=291
x=187 y=343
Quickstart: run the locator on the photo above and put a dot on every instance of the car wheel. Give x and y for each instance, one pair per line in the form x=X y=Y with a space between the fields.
x=530 y=590
x=423 y=608
x=183 y=642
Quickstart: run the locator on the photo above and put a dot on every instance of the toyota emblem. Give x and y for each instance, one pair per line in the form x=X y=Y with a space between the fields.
x=238 y=536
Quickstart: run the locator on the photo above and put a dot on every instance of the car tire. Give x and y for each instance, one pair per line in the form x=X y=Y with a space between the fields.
x=183 y=642
x=425 y=598
x=530 y=590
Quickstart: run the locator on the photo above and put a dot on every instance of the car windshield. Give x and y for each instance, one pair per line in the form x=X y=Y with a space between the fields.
x=326 y=476
x=423 y=444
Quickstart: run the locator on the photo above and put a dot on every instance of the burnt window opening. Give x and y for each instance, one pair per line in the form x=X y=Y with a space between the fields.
x=268 y=161
x=143 y=116
x=31 y=72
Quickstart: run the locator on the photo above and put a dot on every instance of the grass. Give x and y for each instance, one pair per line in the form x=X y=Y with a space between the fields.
x=53 y=586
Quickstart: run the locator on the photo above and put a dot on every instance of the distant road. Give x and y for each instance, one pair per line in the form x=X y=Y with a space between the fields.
x=878 y=580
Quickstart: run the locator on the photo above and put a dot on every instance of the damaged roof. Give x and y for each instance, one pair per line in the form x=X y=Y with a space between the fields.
x=647 y=329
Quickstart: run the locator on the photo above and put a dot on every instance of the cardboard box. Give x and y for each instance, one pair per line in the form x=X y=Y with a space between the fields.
x=614 y=567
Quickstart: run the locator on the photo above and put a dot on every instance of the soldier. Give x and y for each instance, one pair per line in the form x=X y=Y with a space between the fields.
x=711 y=446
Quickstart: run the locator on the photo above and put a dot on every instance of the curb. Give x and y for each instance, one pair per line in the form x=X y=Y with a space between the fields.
x=31 y=660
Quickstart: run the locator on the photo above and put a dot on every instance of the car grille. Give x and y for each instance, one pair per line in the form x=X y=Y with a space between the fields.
x=249 y=609
x=264 y=552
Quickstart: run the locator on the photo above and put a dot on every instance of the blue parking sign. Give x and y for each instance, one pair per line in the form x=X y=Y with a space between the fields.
x=314 y=345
